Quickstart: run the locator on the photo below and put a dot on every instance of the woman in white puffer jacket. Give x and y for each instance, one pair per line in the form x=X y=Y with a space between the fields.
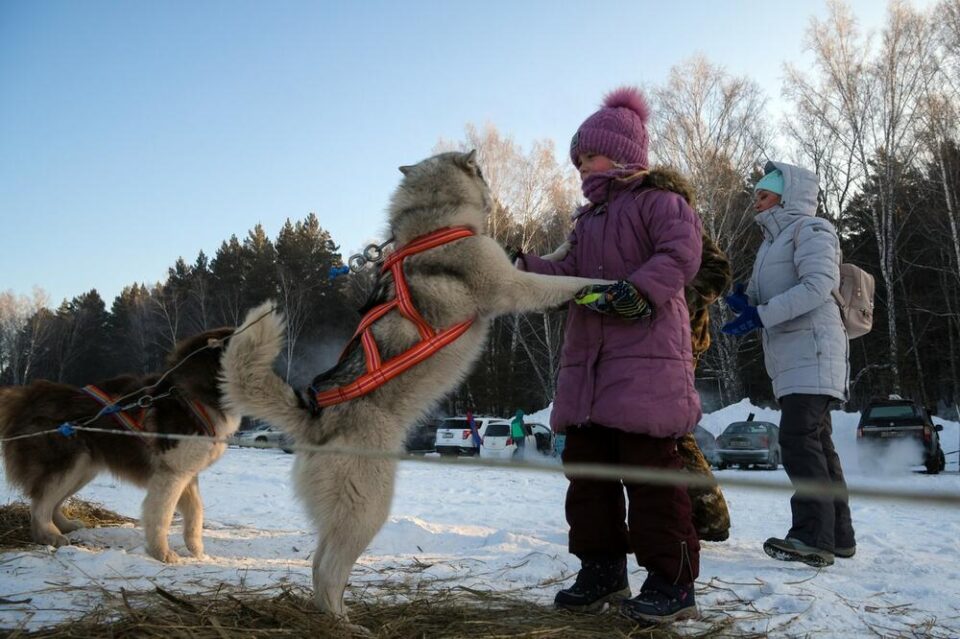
x=789 y=298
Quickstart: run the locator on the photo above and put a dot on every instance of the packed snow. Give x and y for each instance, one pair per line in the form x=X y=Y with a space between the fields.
x=504 y=529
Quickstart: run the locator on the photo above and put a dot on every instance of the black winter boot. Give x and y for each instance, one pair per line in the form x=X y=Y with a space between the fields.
x=602 y=579
x=661 y=601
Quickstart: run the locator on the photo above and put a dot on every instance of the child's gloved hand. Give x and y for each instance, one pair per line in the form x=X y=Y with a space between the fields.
x=748 y=320
x=621 y=299
x=737 y=300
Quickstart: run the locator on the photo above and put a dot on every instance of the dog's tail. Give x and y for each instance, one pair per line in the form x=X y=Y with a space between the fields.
x=9 y=401
x=248 y=382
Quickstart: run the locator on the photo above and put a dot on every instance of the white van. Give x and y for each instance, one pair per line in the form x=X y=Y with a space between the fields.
x=498 y=441
x=454 y=436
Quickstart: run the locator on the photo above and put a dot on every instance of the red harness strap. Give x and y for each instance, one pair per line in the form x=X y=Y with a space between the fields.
x=431 y=341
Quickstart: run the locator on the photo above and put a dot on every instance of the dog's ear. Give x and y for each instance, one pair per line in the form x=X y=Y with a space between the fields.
x=471 y=158
x=406 y=169
x=214 y=342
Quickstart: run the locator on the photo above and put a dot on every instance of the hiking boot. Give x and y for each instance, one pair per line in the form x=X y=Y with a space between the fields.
x=845 y=552
x=601 y=579
x=790 y=549
x=660 y=601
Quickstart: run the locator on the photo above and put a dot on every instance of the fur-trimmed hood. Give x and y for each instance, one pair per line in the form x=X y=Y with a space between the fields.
x=667 y=179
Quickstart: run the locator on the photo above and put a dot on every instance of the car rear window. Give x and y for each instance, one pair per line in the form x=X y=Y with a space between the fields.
x=899 y=411
x=497 y=430
x=457 y=424
x=745 y=428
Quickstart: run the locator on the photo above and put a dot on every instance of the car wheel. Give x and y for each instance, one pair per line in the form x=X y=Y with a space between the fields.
x=743 y=466
x=775 y=462
x=935 y=464
x=721 y=466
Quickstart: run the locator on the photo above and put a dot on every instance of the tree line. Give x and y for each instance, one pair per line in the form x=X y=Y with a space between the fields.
x=875 y=115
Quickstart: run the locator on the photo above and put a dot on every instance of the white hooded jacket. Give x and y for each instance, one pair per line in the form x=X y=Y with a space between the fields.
x=805 y=344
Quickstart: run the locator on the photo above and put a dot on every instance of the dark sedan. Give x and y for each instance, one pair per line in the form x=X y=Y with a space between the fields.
x=896 y=422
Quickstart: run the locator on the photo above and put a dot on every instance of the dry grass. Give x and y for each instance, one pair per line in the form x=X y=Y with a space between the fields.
x=458 y=612
x=15 y=520
x=411 y=609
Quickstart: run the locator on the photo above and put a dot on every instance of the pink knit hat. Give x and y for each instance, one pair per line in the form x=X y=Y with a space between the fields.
x=618 y=130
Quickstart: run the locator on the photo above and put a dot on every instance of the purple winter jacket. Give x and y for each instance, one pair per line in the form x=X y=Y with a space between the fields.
x=633 y=375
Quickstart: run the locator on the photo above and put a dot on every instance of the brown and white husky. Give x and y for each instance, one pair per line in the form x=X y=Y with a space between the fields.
x=50 y=468
x=349 y=497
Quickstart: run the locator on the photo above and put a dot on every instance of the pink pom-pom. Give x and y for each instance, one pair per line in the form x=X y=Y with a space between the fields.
x=629 y=98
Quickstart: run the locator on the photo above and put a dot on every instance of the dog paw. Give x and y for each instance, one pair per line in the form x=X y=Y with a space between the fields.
x=53 y=540
x=354 y=630
x=197 y=551
x=166 y=555
x=69 y=525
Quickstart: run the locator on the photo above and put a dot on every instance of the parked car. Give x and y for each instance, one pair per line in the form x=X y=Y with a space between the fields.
x=498 y=443
x=707 y=444
x=454 y=438
x=892 y=421
x=544 y=437
x=749 y=443
x=259 y=434
x=422 y=438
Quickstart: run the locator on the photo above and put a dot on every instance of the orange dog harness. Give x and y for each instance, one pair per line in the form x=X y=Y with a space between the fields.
x=431 y=340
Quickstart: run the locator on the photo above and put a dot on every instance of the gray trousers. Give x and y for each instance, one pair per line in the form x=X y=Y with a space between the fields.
x=806 y=444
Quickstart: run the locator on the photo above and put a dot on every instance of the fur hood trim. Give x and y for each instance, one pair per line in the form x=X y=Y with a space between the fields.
x=667 y=179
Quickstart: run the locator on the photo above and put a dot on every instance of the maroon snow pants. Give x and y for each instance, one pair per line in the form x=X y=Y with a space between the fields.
x=653 y=522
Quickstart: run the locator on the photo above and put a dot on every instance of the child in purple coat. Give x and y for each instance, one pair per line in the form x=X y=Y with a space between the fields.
x=625 y=391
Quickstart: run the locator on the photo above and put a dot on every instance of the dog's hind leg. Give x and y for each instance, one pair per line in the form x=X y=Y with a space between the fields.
x=349 y=499
x=81 y=478
x=163 y=493
x=191 y=507
x=45 y=504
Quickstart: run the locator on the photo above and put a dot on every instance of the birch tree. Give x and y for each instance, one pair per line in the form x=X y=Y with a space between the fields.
x=713 y=127
x=870 y=102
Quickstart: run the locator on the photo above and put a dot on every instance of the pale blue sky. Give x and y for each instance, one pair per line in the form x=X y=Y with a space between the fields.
x=135 y=132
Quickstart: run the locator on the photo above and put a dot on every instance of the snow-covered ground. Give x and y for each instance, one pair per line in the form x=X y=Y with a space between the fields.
x=502 y=529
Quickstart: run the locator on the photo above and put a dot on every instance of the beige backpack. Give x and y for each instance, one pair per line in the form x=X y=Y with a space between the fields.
x=855 y=297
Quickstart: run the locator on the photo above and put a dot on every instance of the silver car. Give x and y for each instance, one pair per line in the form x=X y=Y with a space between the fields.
x=749 y=443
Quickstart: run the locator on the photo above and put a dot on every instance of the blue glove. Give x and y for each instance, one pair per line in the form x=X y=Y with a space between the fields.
x=748 y=320
x=737 y=301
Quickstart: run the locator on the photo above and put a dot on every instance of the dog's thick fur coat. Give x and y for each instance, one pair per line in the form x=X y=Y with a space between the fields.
x=50 y=468
x=349 y=497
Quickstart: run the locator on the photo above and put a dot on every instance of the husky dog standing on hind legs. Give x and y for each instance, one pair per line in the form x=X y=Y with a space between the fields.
x=455 y=289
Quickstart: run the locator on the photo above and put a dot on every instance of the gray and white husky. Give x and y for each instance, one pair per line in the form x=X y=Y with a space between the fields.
x=349 y=496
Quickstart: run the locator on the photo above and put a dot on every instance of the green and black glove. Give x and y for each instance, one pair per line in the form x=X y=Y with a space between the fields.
x=621 y=299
